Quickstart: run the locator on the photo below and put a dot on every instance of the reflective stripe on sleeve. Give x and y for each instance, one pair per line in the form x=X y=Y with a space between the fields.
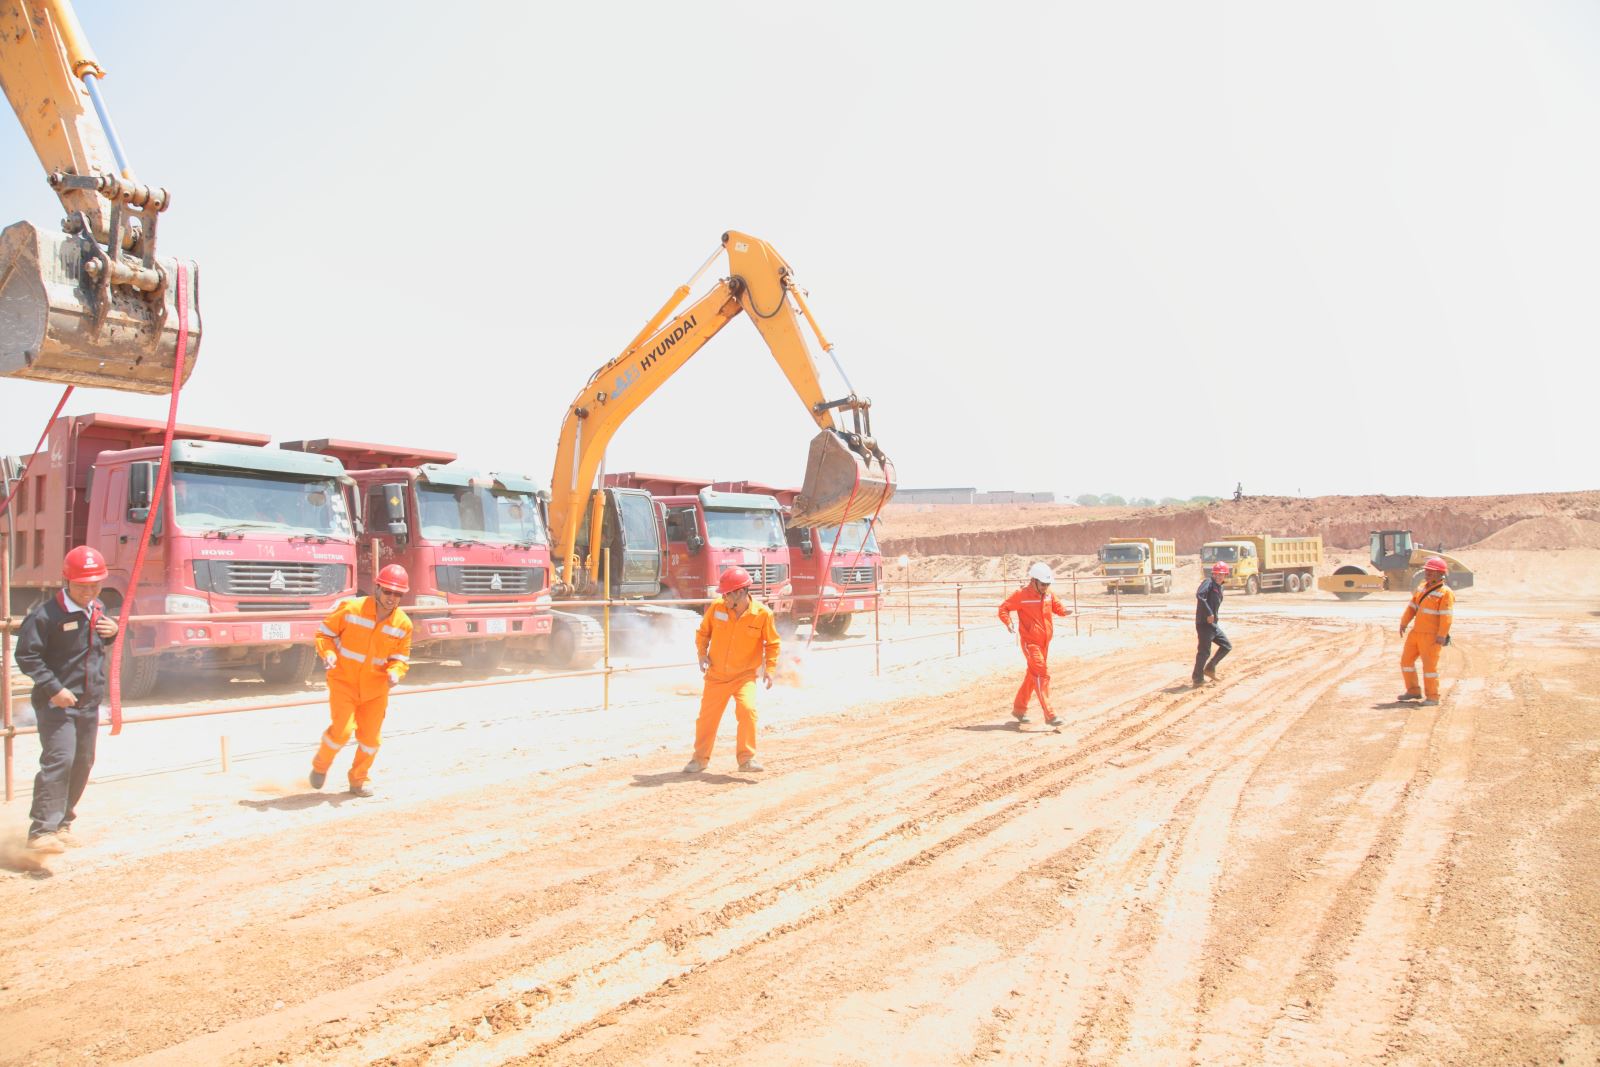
x=324 y=630
x=360 y=620
x=398 y=658
x=394 y=631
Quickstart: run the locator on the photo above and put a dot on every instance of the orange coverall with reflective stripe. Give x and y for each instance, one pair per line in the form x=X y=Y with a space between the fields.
x=1433 y=608
x=369 y=651
x=737 y=646
x=1036 y=622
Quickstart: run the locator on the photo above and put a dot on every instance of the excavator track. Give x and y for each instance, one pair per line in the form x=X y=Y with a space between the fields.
x=576 y=641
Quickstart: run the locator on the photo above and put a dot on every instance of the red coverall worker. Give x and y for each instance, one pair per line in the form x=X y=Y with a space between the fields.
x=1036 y=608
x=370 y=652
x=1433 y=609
x=736 y=641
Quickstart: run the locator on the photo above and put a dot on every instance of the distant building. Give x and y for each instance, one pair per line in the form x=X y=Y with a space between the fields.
x=970 y=495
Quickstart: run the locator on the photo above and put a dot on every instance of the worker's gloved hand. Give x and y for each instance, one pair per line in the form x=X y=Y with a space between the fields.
x=1211 y=620
x=329 y=661
x=106 y=627
x=1441 y=640
x=394 y=678
x=1010 y=629
x=705 y=664
x=64 y=699
x=766 y=677
x=1402 y=629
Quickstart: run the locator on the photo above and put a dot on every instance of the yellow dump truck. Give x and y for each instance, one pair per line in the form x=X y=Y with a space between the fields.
x=1262 y=563
x=1138 y=564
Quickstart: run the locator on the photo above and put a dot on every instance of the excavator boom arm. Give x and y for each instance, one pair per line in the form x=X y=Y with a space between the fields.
x=847 y=477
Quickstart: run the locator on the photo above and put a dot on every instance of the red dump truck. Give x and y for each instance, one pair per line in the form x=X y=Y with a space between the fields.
x=240 y=529
x=474 y=543
x=828 y=591
x=708 y=531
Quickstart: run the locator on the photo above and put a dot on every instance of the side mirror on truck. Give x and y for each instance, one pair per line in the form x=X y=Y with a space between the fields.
x=694 y=544
x=141 y=491
x=394 y=511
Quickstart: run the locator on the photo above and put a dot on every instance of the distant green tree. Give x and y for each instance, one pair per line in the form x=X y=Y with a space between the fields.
x=1142 y=502
x=1087 y=500
x=1203 y=499
x=1112 y=500
x=1168 y=501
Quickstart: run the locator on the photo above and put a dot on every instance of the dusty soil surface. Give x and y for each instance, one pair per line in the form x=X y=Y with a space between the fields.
x=1283 y=867
x=1558 y=520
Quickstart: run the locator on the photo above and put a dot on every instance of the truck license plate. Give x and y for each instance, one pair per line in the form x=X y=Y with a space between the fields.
x=274 y=631
x=497 y=626
x=856 y=605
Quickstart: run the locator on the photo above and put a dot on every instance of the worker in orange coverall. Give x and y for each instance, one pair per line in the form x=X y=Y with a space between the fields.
x=1433 y=607
x=738 y=642
x=1036 y=608
x=366 y=646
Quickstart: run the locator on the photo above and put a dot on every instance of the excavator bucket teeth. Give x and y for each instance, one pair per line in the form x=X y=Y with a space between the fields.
x=53 y=327
x=846 y=478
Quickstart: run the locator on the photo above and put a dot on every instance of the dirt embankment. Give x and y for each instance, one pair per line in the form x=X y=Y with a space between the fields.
x=1343 y=521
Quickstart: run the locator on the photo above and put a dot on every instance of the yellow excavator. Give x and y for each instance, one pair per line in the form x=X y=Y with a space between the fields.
x=92 y=304
x=847 y=475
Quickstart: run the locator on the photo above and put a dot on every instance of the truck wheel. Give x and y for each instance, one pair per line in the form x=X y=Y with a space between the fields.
x=139 y=676
x=562 y=647
x=1291 y=582
x=483 y=655
x=1251 y=586
x=289 y=666
x=1308 y=581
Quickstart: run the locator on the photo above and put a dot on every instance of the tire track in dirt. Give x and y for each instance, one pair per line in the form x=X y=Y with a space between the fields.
x=1118 y=964
x=748 y=914
x=1022 y=809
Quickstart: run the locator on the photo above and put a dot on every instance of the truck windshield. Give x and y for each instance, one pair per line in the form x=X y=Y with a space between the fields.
x=855 y=538
x=477 y=513
x=517 y=518
x=1219 y=553
x=217 y=498
x=1123 y=554
x=745 y=528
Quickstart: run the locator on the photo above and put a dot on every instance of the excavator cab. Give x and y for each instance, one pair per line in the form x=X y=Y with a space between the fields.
x=63 y=320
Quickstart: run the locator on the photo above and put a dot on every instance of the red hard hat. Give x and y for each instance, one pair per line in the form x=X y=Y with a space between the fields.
x=732 y=580
x=1221 y=569
x=394 y=577
x=84 y=564
x=1436 y=564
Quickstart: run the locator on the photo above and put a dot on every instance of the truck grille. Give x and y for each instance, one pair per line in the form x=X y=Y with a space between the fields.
x=490 y=580
x=768 y=573
x=269 y=578
x=854 y=575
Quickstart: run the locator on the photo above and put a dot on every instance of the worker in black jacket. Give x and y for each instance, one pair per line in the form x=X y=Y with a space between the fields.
x=1207 y=606
x=64 y=646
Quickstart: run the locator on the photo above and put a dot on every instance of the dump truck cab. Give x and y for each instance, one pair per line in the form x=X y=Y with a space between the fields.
x=1241 y=558
x=474 y=543
x=711 y=532
x=1138 y=564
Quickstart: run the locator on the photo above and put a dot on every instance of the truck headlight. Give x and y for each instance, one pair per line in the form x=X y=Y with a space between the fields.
x=423 y=600
x=829 y=590
x=186 y=605
x=542 y=600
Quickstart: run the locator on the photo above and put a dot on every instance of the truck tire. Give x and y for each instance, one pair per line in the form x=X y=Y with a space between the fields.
x=1252 y=586
x=289 y=666
x=1291 y=582
x=1308 y=581
x=139 y=676
x=833 y=625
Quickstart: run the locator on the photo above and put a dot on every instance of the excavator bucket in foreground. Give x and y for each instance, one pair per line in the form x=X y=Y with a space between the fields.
x=847 y=478
x=55 y=326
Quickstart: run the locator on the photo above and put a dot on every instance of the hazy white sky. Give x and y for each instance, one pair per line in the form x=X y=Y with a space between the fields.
x=1084 y=247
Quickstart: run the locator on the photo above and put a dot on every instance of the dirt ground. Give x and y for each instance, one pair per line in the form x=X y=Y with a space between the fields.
x=1283 y=867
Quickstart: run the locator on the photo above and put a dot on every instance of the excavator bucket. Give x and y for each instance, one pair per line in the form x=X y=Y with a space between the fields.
x=55 y=326
x=847 y=478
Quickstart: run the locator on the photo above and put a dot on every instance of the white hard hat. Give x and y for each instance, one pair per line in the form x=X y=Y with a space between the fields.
x=1040 y=572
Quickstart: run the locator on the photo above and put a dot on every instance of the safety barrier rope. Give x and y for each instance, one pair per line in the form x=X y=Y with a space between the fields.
x=182 y=296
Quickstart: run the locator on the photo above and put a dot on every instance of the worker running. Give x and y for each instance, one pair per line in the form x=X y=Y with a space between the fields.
x=365 y=644
x=737 y=642
x=1036 y=608
x=1433 y=608
x=1207 y=606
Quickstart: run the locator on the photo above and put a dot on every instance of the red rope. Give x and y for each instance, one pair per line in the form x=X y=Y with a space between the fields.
x=182 y=296
x=23 y=473
x=827 y=568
